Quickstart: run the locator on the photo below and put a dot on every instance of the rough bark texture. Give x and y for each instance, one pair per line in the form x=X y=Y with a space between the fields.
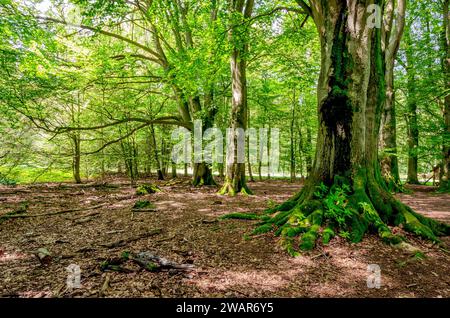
x=345 y=193
x=392 y=32
x=235 y=175
x=159 y=169
x=202 y=175
x=411 y=117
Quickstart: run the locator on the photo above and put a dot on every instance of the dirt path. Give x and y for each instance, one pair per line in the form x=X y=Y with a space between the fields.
x=227 y=264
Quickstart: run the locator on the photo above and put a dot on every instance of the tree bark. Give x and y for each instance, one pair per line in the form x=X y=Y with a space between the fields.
x=292 y=140
x=445 y=171
x=76 y=158
x=392 y=33
x=159 y=170
x=235 y=175
x=250 y=173
x=202 y=175
x=345 y=192
x=174 y=170
x=307 y=151
x=411 y=116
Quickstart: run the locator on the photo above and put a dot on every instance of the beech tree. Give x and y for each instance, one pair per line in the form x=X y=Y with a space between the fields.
x=239 y=11
x=392 y=31
x=345 y=193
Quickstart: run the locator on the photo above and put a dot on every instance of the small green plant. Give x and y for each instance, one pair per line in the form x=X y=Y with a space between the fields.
x=152 y=267
x=336 y=205
x=344 y=234
x=419 y=256
x=7 y=182
x=142 y=204
x=125 y=255
x=321 y=191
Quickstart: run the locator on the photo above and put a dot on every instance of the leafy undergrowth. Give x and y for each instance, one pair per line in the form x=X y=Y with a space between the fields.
x=184 y=228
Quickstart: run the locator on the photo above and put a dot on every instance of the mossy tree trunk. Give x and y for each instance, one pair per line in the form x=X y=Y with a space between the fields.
x=240 y=10
x=345 y=192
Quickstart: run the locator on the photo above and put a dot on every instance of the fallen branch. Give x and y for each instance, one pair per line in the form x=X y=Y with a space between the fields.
x=105 y=286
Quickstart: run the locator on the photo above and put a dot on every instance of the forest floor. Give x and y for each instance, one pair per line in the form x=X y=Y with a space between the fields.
x=226 y=263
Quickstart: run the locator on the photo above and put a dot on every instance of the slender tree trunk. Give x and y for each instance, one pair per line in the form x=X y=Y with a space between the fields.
x=389 y=161
x=235 y=176
x=202 y=171
x=292 y=141
x=250 y=174
x=76 y=158
x=301 y=151
x=174 y=170
x=268 y=151
x=260 y=170
x=159 y=170
x=445 y=170
x=412 y=124
x=185 y=169
x=391 y=36
x=351 y=94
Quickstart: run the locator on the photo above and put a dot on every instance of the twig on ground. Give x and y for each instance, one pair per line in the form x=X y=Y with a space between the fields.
x=133 y=239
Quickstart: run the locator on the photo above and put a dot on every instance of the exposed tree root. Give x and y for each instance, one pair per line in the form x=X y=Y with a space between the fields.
x=233 y=188
x=342 y=209
x=203 y=176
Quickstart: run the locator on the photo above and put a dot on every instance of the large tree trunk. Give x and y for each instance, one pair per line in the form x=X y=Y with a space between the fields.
x=445 y=171
x=235 y=175
x=345 y=192
x=308 y=150
x=202 y=175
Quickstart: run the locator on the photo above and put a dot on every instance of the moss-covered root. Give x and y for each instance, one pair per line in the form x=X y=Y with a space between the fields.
x=420 y=225
x=229 y=188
